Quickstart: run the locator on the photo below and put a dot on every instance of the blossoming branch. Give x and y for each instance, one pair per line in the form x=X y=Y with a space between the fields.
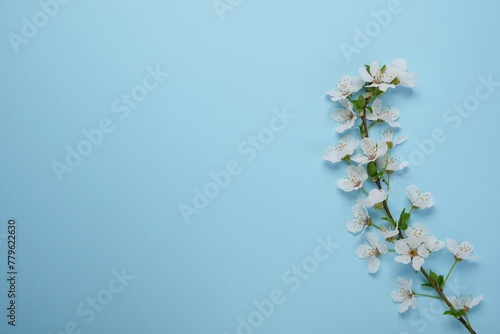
x=374 y=164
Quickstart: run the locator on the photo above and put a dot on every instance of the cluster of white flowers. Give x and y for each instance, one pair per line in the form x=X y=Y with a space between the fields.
x=375 y=162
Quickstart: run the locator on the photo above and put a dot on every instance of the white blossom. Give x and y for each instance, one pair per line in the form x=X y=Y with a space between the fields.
x=377 y=77
x=371 y=252
x=342 y=149
x=388 y=115
x=355 y=176
x=375 y=197
x=371 y=151
x=416 y=246
x=393 y=164
x=418 y=235
x=406 y=78
x=404 y=295
x=346 y=117
x=345 y=87
x=388 y=136
x=388 y=231
x=462 y=250
x=419 y=199
x=361 y=219
x=409 y=252
x=465 y=302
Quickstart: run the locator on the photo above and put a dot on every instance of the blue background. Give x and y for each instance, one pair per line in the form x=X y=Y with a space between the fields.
x=120 y=207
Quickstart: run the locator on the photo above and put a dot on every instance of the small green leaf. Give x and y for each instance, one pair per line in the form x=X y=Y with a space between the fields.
x=441 y=281
x=355 y=103
x=426 y=284
x=382 y=69
x=449 y=312
x=403 y=226
x=434 y=277
x=367 y=68
x=401 y=217
x=461 y=313
x=370 y=108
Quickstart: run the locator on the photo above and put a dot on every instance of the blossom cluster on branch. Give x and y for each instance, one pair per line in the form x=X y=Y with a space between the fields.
x=374 y=163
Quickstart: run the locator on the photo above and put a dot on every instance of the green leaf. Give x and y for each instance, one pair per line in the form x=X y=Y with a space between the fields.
x=367 y=68
x=449 y=312
x=426 y=284
x=361 y=102
x=401 y=217
x=370 y=108
x=434 y=277
x=355 y=104
x=382 y=69
x=404 y=218
x=441 y=281
x=461 y=313
x=403 y=226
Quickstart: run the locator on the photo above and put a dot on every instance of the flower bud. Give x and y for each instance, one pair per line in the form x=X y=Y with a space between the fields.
x=372 y=169
x=378 y=206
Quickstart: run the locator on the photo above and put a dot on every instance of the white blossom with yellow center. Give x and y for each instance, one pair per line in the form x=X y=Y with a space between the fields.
x=462 y=250
x=355 y=176
x=346 y=117
x=410 y=252
x=419 y=199
x=418 y=235
x=343 y=148
x=371 y=252
x=377 y=77
x=393 y=164
x=465 y=302
x=361 y=219
x=345 y=87
x=388 y=231
x=371 y=151
x=405 y=78
x=404 y=295
x=388 y=135
x=375 y=197
x=388 y=115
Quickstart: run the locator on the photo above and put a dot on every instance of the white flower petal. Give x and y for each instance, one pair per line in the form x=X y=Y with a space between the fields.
x=382 y=248
x=408 y=79
x=417 y=262
x=414 y=303
x=404 y=306
x=404 y=284
x=401 y=247
x=372 y=239
x=456 y=303
x=357 y=84
x=364 y=251
x=404 y=259
x=475 y=301
x=365 y=75
x=373 y=265
x=399 y=64
x=355 y=225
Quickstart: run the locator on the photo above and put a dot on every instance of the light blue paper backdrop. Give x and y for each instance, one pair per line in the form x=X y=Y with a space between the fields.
x=102 y=244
